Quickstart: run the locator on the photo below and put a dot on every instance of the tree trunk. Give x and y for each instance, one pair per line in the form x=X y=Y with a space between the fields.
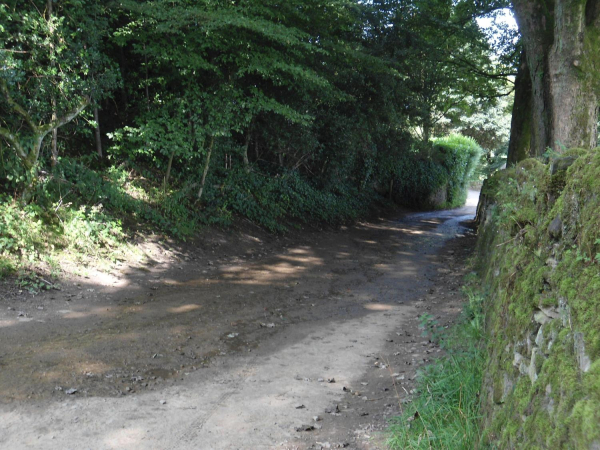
x=28 y=150
x=206 y=165
x=30 y=164
x=519 y=146
x=98 y=136
x=54 y=144
x=146 y=83
x=574 y=70
x=562 y=43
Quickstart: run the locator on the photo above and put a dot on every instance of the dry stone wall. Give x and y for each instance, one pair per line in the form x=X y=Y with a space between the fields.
x=539 y=257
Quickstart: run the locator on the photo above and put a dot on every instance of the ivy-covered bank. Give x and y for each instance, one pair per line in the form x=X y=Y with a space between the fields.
x=539 y=253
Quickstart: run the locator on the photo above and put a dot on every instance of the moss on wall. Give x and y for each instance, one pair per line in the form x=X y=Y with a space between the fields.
x=539 y=257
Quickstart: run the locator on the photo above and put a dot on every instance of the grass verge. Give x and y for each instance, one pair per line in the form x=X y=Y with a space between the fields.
x=444 y=413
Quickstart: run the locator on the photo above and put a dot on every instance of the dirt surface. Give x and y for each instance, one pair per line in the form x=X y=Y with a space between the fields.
x=237 y=341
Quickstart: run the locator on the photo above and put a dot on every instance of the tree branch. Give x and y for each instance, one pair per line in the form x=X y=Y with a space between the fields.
x=13 y=51
x=14 y=141
x=60 y=121
x=461 y=62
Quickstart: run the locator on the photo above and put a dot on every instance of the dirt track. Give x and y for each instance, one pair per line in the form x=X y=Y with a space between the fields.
x=235 y=342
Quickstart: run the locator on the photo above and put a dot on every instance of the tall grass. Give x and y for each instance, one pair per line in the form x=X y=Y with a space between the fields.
x=444 y=413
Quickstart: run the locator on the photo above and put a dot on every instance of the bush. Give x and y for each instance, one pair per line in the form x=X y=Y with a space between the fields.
x=439 y=179
x=121 y=195
x=21 y=231
x=417 y=180
x=459 y=155
x=279 y=201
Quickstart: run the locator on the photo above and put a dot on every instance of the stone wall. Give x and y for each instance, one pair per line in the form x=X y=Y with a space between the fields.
x=539 y=258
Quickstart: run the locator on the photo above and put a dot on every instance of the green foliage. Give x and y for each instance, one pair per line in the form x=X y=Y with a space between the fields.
x=283 y=113
x=31 y=282
x=459 y=155
x=53 y=67
x=88 y=229
x=21 y=230
x=276 y=202
x=445 y=411
x=440 y=180
x=119 y=195
x=431 y=327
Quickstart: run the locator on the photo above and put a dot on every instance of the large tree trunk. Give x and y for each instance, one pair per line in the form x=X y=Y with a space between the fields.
x=562 y=42
x=519 y=146
x=574 y=70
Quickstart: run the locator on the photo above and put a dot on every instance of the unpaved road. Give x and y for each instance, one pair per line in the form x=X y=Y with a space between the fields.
x=236 y=342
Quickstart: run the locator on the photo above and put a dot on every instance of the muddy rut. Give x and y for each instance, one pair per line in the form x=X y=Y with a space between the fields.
x=237 y=341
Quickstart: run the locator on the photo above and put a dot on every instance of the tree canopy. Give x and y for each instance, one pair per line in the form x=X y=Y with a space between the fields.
x=210 y=99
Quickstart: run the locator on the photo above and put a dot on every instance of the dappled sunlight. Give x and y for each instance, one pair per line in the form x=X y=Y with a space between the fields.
x=75 y=314
x=282 y=271
x=378 y=307
x=367 y=242
x=398 y=228
x=309 y=260
x=122 y=283
x=342 y=255
x=153 y=324
x=125 y=438
x=285 y=268
x=299 y=251
x=184 y=308
x=232 y=269
x=99 y=311
x=87 y=368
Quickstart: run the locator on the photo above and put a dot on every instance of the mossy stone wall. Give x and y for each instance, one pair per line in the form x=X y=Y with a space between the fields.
x=539 y=257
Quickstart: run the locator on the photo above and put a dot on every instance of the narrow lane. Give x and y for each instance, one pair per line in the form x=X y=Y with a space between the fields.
x=310 y=330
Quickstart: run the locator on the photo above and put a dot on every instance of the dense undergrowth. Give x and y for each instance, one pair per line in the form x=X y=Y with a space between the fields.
x=88 y=210
x=157 y=116
x=445 y=411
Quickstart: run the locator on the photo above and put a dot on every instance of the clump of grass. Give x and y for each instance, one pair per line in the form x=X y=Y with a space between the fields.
x=444 y=413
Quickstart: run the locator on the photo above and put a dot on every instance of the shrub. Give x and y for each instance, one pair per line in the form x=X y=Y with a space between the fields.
x=278 y=201
x=459 y=155
x=21 y=230
x=437 y=178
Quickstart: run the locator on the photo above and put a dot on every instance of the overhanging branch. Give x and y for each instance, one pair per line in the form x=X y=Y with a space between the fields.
x=60 y=121
x=461 y=62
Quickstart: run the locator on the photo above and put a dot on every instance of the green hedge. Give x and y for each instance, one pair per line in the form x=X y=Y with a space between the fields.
x=439 y=179
x=276 y=202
